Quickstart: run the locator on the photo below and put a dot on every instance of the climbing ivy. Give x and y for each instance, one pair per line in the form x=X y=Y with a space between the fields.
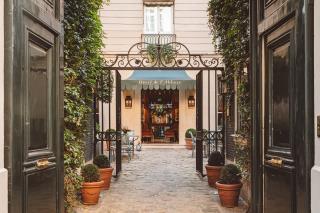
x=83 y=62
x=229 y=23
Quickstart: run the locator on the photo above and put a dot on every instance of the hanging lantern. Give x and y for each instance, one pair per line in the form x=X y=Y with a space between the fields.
x=191 y=101
x=128 y=102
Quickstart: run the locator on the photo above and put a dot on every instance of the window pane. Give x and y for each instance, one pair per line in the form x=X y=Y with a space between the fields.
x=150 y=19
x=165 y=16
x=38 y=97
x=280 y=95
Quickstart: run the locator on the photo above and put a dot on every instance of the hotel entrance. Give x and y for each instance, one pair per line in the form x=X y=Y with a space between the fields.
x=162 y=99
x=160 y=116
x=156 y=105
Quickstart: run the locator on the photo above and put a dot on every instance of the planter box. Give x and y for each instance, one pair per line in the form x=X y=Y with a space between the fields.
x=188 y=143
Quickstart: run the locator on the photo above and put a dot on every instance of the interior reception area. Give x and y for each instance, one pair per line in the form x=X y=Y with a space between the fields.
x=159 y=106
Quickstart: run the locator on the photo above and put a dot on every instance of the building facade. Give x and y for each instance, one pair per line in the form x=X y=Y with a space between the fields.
x=122 y=31
x=127 y=23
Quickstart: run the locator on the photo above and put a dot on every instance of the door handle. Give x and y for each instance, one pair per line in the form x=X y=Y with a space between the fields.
x=275 y=161
x=42 y=163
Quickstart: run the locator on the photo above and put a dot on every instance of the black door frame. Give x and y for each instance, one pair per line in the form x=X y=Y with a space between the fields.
x=182 y=60
x=304 y=35
x=40 y=24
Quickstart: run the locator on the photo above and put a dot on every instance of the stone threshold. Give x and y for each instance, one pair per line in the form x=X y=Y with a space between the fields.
x=163 y=146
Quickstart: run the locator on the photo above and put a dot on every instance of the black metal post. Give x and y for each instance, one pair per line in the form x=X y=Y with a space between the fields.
x=109 y=114
x=199 y=124
x=224 y=127
x=102 y=112
x=216 y=109
x=118 y=121
x=94 y=123
x=209 y=114
x=256 y=175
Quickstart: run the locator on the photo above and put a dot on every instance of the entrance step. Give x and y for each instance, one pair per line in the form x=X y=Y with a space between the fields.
x=163 y=146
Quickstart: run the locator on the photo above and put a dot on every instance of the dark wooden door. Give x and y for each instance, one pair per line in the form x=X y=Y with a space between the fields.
x=34 y=105
x=279 y=158
x=282 y=84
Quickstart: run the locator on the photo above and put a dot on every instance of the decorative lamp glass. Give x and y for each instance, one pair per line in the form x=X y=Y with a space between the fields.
x=128 y=102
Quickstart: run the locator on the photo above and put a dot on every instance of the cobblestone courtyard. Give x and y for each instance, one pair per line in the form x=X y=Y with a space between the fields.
x=159 y=181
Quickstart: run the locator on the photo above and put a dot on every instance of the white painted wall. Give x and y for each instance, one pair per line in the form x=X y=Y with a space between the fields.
x=187 y=116
x=206 y=109
x=131 y=117
x=123 y=25
x=3 y=171
x=315 y=173
x=191 y=25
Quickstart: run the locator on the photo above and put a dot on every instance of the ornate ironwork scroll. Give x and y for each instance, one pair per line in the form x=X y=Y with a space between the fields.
x=214 y=140
x=172 y=55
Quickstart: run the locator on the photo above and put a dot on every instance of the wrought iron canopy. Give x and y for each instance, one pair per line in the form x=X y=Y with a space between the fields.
x=170 y=56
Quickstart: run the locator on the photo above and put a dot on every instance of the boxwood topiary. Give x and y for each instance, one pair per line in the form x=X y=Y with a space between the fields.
x=90 y=173
x=230 y=174
x=102 y=161
x=215 y=159
x=188 y=135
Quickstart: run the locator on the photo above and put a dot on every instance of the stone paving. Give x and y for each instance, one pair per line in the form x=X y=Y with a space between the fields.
x=159 y=181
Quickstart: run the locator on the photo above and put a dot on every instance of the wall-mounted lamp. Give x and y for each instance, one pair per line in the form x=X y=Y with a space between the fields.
x=223 y=86
x=191 y=101
x=128 y=102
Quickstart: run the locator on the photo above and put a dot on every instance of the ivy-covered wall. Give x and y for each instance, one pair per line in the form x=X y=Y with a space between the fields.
x=229 y=23
x=83 y=65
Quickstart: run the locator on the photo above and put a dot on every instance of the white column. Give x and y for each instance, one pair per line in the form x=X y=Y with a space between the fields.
x=315 y=173
x=209 y=108
x=3 y=171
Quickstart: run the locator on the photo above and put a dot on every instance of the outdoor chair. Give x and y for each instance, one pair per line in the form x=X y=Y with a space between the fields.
x=132 y=139
x=112 y=151
x=126 y=145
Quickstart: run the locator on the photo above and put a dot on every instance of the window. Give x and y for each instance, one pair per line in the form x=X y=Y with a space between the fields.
x=158 y=19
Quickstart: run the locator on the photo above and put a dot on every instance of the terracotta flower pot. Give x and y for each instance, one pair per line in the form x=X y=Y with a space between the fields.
x=106 y=175
x=213 y=174
x=188 y=143
x=229 y=194
x=91 y=192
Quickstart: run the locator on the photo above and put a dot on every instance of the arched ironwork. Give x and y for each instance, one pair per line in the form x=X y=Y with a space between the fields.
x=160 y=56
x=173 y=56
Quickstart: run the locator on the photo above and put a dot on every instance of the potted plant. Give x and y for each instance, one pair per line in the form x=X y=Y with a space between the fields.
x=105 y=170
x=215 y=163
x=91 y=186
x=229 y=185
x=165 y=53
x=188 y=137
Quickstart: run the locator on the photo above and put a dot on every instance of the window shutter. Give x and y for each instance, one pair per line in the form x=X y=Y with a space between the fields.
x=158 y=2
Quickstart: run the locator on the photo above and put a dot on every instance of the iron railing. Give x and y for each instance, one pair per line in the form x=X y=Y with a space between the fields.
x=159 y=39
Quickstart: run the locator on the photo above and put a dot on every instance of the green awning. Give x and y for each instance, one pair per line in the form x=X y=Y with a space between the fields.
x=159 y=79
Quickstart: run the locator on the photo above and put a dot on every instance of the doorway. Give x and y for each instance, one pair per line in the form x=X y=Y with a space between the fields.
x=160 y=116
x=34 y=105
x=282 y=104
x=181 y=59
